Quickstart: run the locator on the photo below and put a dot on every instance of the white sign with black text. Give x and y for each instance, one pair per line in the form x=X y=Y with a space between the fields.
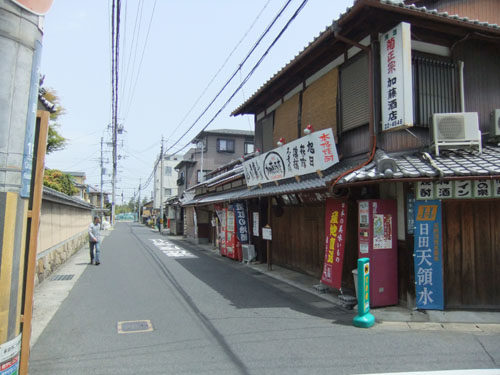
x=396 y=78
x=309 y=154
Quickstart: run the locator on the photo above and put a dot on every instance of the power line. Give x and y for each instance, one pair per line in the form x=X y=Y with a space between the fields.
x=142 y=58
x=236 y=72
x=138 y=17
x=222 y=66
x=299 y=9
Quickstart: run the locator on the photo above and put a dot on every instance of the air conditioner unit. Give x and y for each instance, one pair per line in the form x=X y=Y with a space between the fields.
x=248 y=253
x=495 y=124
x=455 y=130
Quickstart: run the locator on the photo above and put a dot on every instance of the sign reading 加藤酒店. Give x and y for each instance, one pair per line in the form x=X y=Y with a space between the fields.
x=314 y=152
x=396 y=78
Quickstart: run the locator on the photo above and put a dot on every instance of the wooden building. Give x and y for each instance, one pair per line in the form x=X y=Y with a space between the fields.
x=337 y=83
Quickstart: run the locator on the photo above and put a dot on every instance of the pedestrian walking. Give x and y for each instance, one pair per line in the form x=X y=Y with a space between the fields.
x=94 y=241
x=158 y=223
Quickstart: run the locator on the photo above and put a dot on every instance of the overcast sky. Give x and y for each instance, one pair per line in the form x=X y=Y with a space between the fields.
x=188 y=43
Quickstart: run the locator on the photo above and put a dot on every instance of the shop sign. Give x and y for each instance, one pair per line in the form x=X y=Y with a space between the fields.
x=410 y=216
x=335 y=230
x=396 y=78
x=428 y=255
x=9 y=356
x=240 y=213
x=256 y=224
x=267 y=233
x=309 y=154
x=458 y=189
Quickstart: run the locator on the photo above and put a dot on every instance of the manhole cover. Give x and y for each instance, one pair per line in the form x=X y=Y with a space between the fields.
x=62 y=277
x=135 y=326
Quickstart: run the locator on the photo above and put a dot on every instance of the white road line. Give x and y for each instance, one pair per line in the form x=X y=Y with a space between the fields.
x=171 y=250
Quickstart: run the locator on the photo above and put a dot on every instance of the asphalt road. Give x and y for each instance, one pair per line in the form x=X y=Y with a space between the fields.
x=195 y=312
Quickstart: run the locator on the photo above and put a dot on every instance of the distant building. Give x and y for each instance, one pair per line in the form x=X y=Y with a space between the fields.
x=94 y=194
x=169 y=176
x=79 y=181
x=219 y=148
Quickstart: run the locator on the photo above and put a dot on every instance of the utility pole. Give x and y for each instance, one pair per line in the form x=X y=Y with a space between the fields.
x=113 y=181
x=161 y=186
x=102 y=173
x=115 y=25
x=139 y=203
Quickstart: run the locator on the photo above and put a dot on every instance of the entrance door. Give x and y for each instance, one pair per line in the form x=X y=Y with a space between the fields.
x=471 y=246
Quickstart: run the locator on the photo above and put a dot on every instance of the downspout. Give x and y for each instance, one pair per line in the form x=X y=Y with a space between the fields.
x=462 y=95
x=371 y=125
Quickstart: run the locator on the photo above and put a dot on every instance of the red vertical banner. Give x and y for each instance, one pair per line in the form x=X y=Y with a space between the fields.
x=335 y=234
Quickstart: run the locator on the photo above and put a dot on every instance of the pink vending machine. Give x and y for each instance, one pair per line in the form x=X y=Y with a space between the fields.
x=377 y=231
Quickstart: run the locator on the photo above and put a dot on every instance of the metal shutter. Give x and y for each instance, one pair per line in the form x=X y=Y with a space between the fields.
x=354 y=94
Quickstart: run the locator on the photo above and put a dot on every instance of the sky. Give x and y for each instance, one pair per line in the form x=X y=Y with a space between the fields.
x=175 y=57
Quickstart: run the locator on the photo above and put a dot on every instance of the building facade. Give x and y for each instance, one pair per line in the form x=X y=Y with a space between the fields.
x=214 y=148
x=418 y=170
x=169 y=176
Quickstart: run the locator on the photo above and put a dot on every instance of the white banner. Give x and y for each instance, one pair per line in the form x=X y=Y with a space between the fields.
x=396 y=78
x=314 y=152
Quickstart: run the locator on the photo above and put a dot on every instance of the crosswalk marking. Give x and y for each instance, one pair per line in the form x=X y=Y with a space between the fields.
x=171 y=250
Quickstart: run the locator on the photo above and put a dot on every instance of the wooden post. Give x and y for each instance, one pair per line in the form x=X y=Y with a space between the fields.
x=32 y=240
x=269 y=250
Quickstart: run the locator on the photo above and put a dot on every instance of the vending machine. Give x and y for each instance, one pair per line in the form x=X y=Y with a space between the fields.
x=377 y=239
x=230 y=246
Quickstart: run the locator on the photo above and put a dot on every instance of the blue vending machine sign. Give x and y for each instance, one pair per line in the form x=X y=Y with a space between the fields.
x=428 y=255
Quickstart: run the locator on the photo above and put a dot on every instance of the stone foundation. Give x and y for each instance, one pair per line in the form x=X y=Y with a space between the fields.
x=51 y=260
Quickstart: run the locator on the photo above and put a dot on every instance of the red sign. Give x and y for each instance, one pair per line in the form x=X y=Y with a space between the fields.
x=335 y=234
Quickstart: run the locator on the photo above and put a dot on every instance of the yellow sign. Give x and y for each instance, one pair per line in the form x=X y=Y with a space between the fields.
x=427 y=212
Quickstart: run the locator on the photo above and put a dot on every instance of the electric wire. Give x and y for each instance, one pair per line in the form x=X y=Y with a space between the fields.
x=235 y=72
x=245 y=80
x=140 y=63
x=135 y=43
x=220 y=69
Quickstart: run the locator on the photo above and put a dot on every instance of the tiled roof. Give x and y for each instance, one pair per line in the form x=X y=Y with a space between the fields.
x=49 y=106
x=388 y=3
x=451 y=163
x=401 y=166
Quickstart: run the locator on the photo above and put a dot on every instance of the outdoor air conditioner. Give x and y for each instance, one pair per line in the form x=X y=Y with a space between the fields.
x=495 y=124
x=455 y=130
x=248 y=253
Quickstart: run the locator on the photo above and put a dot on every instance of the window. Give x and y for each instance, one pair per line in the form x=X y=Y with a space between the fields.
x=249 y=147
x=435 y=88
x=167 y=191
x=180 y=180
x=168 y=171
x=354 y=88
x=225 y=145
x=205 y=171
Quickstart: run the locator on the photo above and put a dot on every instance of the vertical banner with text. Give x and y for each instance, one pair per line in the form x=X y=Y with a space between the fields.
x=428 y=255
x=396 y=78
x=240 y=212
x=335 y=233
